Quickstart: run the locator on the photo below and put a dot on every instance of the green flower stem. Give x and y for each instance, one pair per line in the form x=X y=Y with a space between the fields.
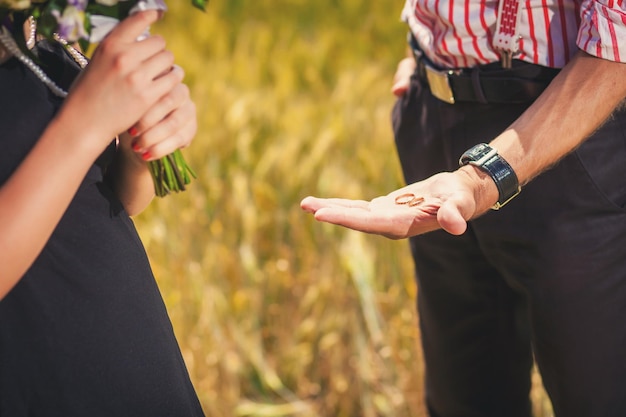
x=170 y=174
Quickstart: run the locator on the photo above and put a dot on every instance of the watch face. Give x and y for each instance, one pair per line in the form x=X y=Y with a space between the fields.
x=475 y=153
x=487 y=158
x=480 y=150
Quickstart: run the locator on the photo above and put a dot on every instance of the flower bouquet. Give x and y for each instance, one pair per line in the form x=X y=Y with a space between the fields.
x=87 y=22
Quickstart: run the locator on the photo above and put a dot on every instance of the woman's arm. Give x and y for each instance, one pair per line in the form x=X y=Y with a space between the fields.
x=130 y=177
x=120 y=85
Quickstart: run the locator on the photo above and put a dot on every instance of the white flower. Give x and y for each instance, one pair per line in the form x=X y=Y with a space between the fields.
x=100 y=27
x=149 y=5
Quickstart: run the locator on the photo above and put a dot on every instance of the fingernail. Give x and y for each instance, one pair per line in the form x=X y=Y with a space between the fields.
x=133 y=131
x=135 y=146
x=145 y=156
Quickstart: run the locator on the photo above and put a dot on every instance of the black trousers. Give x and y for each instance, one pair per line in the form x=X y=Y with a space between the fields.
x=546 y=275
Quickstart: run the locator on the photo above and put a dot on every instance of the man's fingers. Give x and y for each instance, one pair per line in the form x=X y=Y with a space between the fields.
x=399 y=88
x=312 y=204
x=352 y=218
x=402 y=78
x=450 y=219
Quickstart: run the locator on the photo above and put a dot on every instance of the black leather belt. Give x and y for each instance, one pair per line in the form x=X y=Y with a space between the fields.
x=484 y=84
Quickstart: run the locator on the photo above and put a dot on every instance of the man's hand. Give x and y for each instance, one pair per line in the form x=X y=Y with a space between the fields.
x=449 y=200
x=402 y=78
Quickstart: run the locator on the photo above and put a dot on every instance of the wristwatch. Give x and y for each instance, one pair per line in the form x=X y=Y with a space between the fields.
x=486 y=158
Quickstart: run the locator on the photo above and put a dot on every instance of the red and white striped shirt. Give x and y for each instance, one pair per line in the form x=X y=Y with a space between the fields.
x=459 y=33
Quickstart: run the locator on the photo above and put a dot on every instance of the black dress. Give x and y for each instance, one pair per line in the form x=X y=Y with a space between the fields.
x=85 y=332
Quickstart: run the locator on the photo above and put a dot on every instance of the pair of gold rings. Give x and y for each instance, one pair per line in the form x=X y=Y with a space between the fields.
x=409 y=199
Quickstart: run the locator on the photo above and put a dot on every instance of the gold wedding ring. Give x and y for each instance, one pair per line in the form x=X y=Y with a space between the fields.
x=405 y=198
x=409 y=199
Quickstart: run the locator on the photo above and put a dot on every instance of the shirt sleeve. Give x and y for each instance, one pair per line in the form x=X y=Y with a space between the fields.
x=602 y=31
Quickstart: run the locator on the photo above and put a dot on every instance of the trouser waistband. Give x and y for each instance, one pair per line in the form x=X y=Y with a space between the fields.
x=490 y=83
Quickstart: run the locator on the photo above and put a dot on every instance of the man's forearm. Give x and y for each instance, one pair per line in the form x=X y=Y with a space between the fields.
x=575 y=104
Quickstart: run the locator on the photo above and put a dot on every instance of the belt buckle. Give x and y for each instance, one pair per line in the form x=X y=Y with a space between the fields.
x=440 y=84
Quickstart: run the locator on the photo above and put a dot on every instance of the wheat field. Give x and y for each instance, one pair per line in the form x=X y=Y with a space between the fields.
x=278 y=315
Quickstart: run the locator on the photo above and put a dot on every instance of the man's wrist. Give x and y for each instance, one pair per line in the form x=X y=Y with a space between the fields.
x=497 y=168
x=482 y=187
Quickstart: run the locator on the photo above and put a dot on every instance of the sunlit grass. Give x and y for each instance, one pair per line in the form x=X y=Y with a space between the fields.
x=278 y=315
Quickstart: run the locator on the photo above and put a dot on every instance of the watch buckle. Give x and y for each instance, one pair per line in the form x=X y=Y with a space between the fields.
x=499 y=205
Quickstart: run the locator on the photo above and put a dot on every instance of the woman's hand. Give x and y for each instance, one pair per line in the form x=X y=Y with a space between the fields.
x=123 y=81
x=168 y=125
x=449 y=200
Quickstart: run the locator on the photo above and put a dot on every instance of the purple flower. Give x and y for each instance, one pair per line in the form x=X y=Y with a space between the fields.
x=71 y=24
x=78 y=4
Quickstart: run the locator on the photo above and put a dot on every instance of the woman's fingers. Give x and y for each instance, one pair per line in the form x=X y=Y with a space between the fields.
x=169 y=125
x=165 y=84
x=131 y=28
x=157 y=65
x=180 y=139
x=174 y=99
x=121 y=44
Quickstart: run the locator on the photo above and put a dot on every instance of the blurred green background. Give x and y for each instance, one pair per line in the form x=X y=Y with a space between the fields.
x=278 y=315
